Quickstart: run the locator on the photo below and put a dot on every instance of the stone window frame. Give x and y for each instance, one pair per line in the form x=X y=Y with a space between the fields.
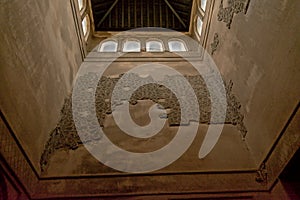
x=165 y=43
x=206 y=17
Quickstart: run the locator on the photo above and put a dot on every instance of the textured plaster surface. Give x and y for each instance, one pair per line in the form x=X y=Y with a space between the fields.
x=39 y=59
x=260 y=54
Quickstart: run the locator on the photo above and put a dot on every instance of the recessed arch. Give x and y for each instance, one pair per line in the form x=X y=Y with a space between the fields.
x=177 y=45
x=199 y=25
x=86 y=26
x=108 y=46
x=81 y=4
x=154 y=45
x=202 y=4
x=132 y=45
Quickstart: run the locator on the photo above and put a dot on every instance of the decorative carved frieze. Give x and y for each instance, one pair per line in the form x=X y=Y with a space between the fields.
x=262 y=174
x=214 y=45
x=234 y=7
x=234 y=115
x=64 y=136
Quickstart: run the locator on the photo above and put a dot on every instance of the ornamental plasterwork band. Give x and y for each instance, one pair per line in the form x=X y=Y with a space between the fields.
x=234 y=7
x=262 y=174
x=65 y=135
x=214 y=45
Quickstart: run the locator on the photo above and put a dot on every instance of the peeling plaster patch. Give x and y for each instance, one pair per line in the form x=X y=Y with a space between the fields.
x=65 y=136
x=214 y=45
x=231 y=8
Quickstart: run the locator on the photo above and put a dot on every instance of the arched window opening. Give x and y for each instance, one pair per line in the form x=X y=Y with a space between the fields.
x=199 y=25
x=86 y=26
x=132 y=46
x=203 y=4
x=176 y=46
x=81 y=4
x=154 y=46
x=109 y=46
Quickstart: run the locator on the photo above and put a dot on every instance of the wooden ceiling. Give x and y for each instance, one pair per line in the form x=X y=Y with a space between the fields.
x=121 y=15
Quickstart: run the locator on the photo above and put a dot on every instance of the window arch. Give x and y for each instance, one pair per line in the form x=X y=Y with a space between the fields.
x=86 y=26
x=108 y=46
x=132 y=46
x=154 y=46
x=199 y=25
x=81 y=4
x=203 y=4
x=177 y=46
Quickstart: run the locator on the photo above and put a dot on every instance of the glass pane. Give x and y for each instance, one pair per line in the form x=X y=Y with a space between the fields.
x=176 y=46
x=154 y=46
x=85 y=25
x=203 y=4
x=199 y=25
x=80 y=3
x=132 y=46
x=109 y=46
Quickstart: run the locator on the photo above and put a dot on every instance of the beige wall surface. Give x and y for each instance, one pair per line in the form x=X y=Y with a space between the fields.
x=40 y=55
x=260 y=53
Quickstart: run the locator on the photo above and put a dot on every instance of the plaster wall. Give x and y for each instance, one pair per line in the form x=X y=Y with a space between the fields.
x=40 y=56
x=260 y=53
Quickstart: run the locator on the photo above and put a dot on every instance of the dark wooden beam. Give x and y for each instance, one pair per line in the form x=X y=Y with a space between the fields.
x=175 y=13
x=123 y=14
x=107 y=13
x=148 y=14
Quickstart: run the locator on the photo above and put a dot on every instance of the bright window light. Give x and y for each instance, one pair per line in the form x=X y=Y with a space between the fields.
x=109 y=46
x=154 y=46
x=199 y=25
x=132 y=46
x=176 y=46
x=203 y=4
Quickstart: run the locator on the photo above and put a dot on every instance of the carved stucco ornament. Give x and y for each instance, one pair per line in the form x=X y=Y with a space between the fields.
x=214 y=45
x=234 y=7
x=262 y=174
x=65 y=137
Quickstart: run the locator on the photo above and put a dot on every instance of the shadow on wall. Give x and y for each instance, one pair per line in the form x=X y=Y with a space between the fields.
x=3 y=187
x=290 y=177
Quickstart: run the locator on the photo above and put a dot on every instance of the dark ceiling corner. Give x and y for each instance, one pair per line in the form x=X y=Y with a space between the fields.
x=122 y=15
